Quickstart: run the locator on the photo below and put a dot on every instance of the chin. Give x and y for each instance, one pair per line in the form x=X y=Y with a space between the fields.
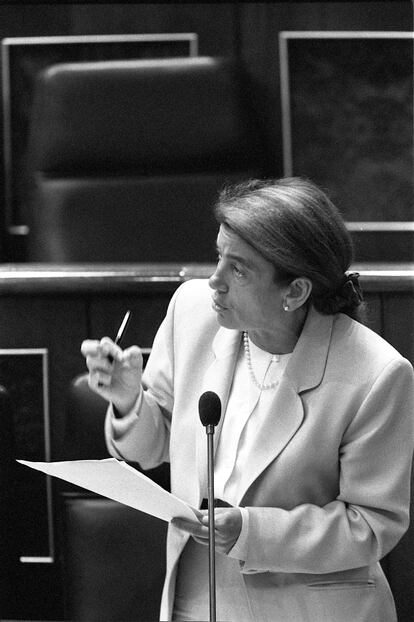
x=227 y=322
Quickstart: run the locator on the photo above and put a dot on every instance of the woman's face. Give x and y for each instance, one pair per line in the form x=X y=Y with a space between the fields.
x=245 y=296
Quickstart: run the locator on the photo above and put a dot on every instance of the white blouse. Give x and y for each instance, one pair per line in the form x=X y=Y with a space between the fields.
x=247 y=408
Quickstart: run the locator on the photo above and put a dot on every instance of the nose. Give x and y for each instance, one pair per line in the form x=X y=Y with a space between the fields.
x=216 y=281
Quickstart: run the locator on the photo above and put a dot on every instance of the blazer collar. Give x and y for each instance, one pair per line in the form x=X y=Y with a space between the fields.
x=308 y=361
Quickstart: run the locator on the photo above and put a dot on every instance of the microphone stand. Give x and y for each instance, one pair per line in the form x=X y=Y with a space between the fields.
x=209 y=407
x=211 y=524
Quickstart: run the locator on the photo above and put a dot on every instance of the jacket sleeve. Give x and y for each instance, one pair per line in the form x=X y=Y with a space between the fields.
x=371 y=512
x=143 y=434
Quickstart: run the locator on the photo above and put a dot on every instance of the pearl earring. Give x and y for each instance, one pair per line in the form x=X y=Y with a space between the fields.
x=286 y=307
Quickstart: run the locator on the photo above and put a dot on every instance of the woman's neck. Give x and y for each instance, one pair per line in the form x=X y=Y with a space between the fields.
x=282 y=339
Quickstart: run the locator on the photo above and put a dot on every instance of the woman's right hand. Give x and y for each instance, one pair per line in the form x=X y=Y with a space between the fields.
x=115 y=374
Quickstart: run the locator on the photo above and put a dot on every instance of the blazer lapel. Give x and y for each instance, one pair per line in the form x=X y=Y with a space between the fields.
x=307 y=364
x=273 y=436
x=303 y=372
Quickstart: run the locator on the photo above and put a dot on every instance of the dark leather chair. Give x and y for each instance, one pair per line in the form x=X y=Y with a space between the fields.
x=113 y=557
x=84 y=430
x=126 y=157
x=113 y=561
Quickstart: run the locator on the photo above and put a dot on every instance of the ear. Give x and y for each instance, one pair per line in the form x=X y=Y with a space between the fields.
x=298 y=293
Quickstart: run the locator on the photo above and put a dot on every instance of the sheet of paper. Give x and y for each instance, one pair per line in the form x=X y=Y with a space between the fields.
x=121 y=482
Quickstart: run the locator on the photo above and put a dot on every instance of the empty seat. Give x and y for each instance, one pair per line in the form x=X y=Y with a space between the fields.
x=126 y=158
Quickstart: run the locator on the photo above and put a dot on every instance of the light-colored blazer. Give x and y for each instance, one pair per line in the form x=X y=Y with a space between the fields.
x=327 y=482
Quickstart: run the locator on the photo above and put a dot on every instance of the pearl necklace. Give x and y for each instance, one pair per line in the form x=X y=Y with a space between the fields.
x=275 y=358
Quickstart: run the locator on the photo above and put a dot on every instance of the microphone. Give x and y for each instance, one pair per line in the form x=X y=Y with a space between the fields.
x=209 y=408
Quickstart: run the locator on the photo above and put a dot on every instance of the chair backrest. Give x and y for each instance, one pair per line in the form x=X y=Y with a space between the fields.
x=113 y=557
x=127 y=157
x=84 y=422
x=84 y=437
x=113 y=561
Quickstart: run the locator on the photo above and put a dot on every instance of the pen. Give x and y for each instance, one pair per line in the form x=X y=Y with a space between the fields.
x=121 y=332
x=122 y=328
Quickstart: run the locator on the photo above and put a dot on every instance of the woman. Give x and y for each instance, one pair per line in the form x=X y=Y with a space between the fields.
x=314 y=447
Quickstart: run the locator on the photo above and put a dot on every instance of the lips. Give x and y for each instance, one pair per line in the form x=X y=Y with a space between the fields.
x=217 y=306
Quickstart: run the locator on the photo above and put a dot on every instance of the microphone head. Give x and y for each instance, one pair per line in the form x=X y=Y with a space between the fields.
x=209 y=408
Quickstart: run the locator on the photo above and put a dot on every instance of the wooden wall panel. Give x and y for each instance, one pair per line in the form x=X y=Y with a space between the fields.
x=259 y=44
x=398 y=322
x=373 y=312
x=148 y=311
x=213 y=22
x=56 y=324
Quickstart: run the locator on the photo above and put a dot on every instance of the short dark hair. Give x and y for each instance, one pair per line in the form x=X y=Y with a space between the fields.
x=294 y=225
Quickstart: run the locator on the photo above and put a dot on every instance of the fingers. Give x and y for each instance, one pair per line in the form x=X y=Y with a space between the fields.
x=133 y=357
x=89 y=347
x=97 y=352
x=222 y=519
x=100 y=357
x=193 y=527
x=227 y=527
x=109 y=349
x=227 y=524
x=99 y=380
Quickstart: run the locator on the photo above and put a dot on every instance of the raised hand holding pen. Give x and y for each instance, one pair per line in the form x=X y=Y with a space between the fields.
x=115 y=374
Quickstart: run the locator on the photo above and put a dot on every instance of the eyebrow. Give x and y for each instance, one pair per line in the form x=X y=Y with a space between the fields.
x=245 y=262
